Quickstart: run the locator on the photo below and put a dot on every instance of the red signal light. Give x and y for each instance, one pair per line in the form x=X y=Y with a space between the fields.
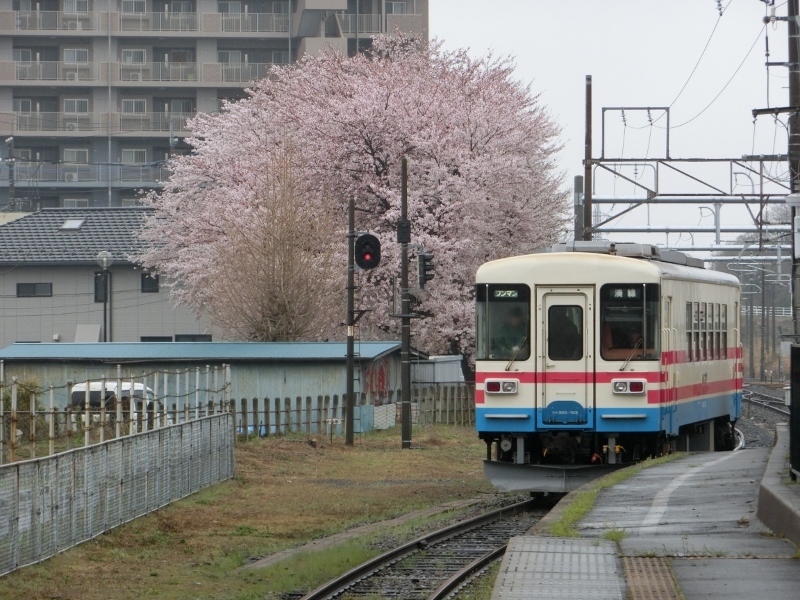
x=637 y=387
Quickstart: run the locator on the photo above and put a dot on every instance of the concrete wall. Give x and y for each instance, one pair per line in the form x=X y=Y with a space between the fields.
x=133 y=313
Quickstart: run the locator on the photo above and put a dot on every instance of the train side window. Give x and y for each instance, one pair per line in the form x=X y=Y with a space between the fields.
x=711 y=347
x=696 y=331
x=717 y=346
x=703 y=332
x=723 y=326
x=689 y=332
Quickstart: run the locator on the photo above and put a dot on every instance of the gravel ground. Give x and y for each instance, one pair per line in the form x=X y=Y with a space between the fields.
x=758 y=424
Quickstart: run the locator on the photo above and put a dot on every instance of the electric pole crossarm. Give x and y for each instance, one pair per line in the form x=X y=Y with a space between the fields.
x=692 y=177
x=776 y=110
x=628 y=179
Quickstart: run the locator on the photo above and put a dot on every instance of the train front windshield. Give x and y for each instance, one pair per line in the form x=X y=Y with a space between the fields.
x=503 y=322
x=629 y=322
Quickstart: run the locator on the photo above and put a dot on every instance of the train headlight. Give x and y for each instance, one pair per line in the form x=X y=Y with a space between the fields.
x=501 y=386
x=629 y=386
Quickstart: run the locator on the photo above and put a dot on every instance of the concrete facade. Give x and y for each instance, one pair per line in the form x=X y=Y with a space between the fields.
x=95 y=94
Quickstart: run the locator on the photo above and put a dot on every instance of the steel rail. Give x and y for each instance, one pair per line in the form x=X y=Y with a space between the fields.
x=460 y=578
x=341 y=583
x=768 y=404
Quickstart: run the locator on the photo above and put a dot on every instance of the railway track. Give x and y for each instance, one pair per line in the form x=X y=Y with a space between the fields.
x=771 y=403
x=433 y=566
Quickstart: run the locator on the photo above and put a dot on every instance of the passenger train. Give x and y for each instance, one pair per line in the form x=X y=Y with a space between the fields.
x=595 y=355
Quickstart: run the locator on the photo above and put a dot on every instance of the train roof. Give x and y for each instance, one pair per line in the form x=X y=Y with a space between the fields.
x=640 y=260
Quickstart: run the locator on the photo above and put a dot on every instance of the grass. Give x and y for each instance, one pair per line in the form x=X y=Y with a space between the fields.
x=285 y=493
x=584 y=500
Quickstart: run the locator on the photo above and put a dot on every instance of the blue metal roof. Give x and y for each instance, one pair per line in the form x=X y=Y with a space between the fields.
x=197 y=351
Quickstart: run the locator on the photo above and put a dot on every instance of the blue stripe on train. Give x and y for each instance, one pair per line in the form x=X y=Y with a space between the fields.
x=647 y=418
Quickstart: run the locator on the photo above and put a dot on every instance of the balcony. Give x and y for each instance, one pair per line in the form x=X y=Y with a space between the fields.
x=159 y=72
x=55 y=122
x=244 y=72
x=158 y=22
x=175 y=122
x=367 y=23
x=57 y=21
x=256 y=22
x=55 y=71
x=37 y=173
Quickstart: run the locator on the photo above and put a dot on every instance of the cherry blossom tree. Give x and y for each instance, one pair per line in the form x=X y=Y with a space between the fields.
x=482 y=177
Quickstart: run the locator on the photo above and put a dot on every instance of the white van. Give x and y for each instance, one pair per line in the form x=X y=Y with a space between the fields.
x=144 y=399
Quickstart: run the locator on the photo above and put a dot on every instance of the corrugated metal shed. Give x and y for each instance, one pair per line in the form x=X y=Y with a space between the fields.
x=258 y=370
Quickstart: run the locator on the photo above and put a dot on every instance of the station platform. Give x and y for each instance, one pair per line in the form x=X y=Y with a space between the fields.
x=710 y=526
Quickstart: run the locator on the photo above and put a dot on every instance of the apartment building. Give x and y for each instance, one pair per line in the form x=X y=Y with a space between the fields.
x=95 y=94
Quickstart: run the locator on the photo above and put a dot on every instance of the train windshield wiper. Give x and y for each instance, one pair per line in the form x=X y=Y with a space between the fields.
x=516 y=351
x=627 y=360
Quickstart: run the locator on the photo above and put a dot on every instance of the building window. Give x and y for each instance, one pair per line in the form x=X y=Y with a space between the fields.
x=22 y=105
x=76 y=105
x=193 y=337
x=129 y=202
x=22 y=55
x=229 y=8
x=34 y=290
x=76 y=6
x=76 y=155
x=395 y=8
x=149 y=283
x=155 y=338
x=133 y=56
x=76 y=55
x=229 y=57
x=280 y=57
x=134 y=7
x=134 y=106
x=134 y=156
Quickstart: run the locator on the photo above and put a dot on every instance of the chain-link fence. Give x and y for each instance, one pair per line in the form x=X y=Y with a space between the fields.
x=50 y=504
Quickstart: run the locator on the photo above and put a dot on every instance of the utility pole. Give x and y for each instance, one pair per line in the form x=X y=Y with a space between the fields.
x=587 y=166
x=404 y=237
x=578 y=204
x=794 y=152
x=351 y=324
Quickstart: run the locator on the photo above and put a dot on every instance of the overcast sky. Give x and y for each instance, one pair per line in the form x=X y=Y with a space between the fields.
x=639 y=53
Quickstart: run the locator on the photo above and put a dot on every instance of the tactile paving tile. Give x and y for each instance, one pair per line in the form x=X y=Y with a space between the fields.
x=649 y=579
x=559 y=568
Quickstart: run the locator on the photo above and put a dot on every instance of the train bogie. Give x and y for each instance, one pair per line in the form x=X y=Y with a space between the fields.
x=602 y=357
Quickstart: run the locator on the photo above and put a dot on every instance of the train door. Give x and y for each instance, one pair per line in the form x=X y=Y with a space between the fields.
x=565 y=351
x=669 y=350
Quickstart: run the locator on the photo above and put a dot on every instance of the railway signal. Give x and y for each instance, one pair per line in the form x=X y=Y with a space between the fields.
x=425 y=267
x=367 y=251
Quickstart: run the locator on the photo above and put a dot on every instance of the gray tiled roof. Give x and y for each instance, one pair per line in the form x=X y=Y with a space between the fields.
x=38 y=238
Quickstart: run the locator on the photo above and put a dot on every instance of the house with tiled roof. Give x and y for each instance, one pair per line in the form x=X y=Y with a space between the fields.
x=66 y=276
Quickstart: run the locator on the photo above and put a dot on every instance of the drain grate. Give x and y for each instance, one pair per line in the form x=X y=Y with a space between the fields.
x=650 y=579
